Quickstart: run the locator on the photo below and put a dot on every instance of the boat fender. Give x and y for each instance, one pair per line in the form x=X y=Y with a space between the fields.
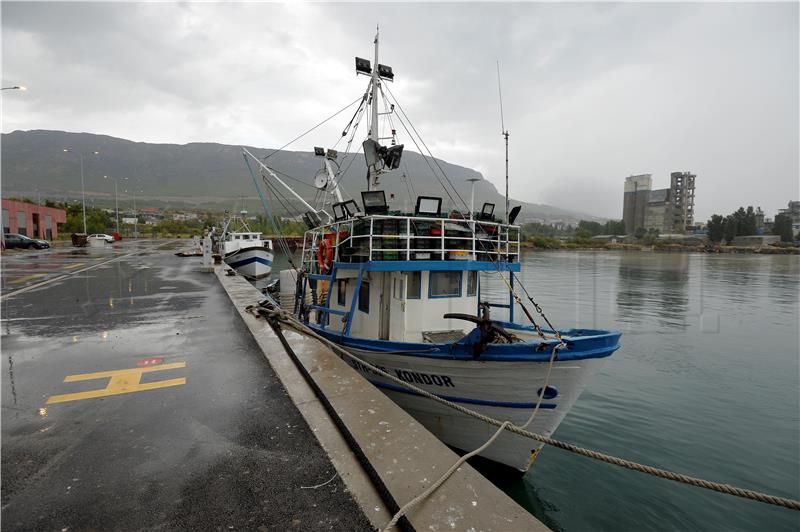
x=324 y=255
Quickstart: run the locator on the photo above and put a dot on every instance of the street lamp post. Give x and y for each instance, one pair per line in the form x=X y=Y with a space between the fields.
x=135 y=217
x=116 y=200
x=135 y=214
x=83 y=187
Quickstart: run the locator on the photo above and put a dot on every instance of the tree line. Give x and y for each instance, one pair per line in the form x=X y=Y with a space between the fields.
x=584 y=229
x=743 y=222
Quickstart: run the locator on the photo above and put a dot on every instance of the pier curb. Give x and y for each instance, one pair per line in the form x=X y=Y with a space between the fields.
x=407 y=457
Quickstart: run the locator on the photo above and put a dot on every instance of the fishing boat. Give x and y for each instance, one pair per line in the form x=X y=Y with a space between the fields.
x=404 y=291
x=244 y=250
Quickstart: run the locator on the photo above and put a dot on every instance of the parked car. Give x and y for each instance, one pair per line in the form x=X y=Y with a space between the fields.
x=13 y=240
x=108 y=238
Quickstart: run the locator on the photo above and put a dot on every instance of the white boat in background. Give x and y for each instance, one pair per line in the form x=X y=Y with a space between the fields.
x=244 y=250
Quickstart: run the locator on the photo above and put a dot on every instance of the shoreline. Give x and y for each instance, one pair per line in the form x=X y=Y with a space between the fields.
x=668 y=248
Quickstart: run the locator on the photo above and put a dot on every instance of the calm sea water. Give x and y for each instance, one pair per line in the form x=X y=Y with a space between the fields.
x=707 y=383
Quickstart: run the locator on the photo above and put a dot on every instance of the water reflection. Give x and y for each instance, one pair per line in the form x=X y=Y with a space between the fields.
x=653 y=285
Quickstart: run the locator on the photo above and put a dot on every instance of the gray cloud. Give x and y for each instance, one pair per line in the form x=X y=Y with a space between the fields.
x=592 y=92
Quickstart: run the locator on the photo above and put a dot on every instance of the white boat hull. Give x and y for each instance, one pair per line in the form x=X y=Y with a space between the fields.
x=501 y=390
x=253 y=262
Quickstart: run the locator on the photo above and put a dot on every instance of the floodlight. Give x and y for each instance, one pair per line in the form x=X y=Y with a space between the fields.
x=351 y=207
x=363 y=65
x=339 y=212
x=487 y=211
x=319 y=152
x=513 y=214
x=385 y=72
x=311 y=219
x=392 y=157
x=428 y=205
x=374 y=202
x=371 y=152
x=344 y=209
x=332 y=154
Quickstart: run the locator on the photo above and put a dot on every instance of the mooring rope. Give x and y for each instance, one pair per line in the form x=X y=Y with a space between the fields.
x=609 y=459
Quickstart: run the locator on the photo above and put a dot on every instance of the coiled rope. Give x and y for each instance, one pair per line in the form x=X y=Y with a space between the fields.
x=609 y=459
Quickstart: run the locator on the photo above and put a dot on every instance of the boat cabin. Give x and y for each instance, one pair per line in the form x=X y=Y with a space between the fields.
x=236 y=241
x=394 y=276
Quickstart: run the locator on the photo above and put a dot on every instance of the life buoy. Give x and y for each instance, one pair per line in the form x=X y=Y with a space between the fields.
x=324 y=255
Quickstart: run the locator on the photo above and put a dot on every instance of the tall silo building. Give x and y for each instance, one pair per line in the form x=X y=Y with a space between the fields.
x=637 y=195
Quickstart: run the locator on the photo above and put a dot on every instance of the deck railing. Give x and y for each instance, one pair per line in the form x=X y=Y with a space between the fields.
x=387 y=237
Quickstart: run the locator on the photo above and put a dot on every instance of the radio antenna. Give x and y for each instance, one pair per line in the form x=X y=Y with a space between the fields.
x=503 y=131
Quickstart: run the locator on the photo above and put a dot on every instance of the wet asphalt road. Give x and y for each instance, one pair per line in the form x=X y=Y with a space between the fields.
x=205 y=439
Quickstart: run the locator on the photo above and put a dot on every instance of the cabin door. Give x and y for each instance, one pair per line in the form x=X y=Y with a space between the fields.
x=385 y=304
x=397 y=320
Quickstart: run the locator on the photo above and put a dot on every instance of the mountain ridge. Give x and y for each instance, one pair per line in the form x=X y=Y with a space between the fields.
x=209 y=175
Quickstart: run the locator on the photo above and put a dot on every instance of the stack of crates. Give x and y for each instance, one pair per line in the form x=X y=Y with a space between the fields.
x=387 y=241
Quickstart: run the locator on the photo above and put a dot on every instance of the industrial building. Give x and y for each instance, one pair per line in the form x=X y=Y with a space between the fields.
x=32 y=220
x=637 y=195
x=668 y=211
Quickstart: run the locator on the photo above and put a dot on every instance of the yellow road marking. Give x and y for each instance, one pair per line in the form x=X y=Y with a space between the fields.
x=76 y=265
x=27 y=278
x=121 y=381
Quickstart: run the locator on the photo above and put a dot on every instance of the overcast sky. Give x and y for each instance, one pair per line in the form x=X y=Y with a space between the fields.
x=592 y=92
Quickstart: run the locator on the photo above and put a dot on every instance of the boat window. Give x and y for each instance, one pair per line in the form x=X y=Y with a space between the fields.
x=363 y=297
x=445 y=284
x=414 y=285
x=472 y=283
x=399 y=287
x=341 y=292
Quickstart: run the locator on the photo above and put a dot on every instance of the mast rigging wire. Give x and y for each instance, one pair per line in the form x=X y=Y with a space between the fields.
x=494 y=262
x=312 y=129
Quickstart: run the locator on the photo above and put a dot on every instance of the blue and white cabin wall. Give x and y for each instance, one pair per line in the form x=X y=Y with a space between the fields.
x=409 y=315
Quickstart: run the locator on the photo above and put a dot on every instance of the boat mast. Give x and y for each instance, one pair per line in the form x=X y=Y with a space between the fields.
x=504 y=131
x=375 y=86
x=505 y=134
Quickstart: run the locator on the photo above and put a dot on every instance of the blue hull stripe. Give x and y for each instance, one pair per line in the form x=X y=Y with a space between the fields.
x=250 y=261
x=465 y=400
x=599 y=346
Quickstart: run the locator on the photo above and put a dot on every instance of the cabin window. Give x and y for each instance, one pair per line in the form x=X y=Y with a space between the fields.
x=445 y=284
x=472 y=283
x=399 y=287
x=245 y=237
x=363 y=297
x=414 y=285
x=341 y=292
